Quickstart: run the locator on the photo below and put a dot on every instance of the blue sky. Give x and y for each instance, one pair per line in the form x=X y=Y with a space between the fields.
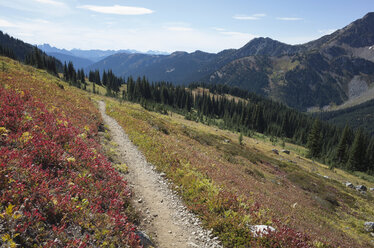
x=172 y=25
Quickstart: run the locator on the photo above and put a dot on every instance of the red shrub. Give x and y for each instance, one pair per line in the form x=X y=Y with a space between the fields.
x=55 y=188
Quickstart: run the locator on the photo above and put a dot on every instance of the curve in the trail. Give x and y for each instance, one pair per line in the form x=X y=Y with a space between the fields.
x=164 y=216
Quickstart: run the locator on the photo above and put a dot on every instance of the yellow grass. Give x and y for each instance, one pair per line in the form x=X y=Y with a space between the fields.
x=272 y=179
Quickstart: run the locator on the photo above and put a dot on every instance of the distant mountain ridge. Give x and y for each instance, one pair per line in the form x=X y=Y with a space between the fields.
x=316 y=74
x=84 y=58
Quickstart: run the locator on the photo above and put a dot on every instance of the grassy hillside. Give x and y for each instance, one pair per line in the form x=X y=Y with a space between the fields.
x=234 y=186
x=230 y=186
x=56 y=188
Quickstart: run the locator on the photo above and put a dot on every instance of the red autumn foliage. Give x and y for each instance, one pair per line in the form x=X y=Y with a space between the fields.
x=56 y=189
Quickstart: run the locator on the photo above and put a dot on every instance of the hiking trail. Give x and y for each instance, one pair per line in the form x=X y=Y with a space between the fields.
x=164 y=216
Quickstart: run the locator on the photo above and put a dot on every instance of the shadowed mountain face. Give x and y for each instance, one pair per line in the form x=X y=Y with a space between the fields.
x=28 y=53
x=19 y=48
x=183 y=67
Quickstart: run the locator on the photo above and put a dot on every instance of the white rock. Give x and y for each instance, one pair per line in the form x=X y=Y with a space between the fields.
x=349 y=185
x=259 y=230
x=369 y=226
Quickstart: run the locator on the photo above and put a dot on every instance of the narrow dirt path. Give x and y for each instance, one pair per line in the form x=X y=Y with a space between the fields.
x=165 y=218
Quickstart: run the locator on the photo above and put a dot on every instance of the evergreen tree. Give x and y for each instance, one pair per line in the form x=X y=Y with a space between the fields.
x=65 y=72
x=342 y=148
x=105 y=79
x=314 y=143
x=91 y=76
x=370 y=157
x=97 y=77
x=123 y=95
x=357 y=154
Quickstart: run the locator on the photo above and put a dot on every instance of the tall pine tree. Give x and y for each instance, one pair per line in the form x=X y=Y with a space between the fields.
x=357 y=154
x=342 y=148
x=315 y=140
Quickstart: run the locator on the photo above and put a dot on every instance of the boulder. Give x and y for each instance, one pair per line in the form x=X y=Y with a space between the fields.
x=371 y=189
x=286 y=151
x=349 y=185
x=259 y=230
x=369 y=226
x=275 y=151
x=361 y=188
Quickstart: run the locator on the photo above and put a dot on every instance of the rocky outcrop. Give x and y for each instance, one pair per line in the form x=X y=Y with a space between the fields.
x=369 y=226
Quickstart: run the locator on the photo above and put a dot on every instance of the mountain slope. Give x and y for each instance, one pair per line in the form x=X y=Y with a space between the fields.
x=183 y=67
x=357 y=34
x=57 y=188
x=29 y=54
x=233 y=186
x=330 y=70
x=20 y=48
x=359 y=116
x=179 y=67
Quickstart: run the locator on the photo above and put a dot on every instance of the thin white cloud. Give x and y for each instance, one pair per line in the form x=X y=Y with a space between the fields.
x=179 y=29
x=117 y=9
x=249 y=17
x=233 y=33
x=51 y=2
x=43 y=8
x=23 y=35
x=219 y=29
x=62 y=34
x=290 y=18
x=5 y=23
x=41 y=21
x=244 y=37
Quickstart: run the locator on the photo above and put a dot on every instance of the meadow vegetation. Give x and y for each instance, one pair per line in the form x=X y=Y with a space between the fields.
x=232 y=186
x=73 y=195
x=57 y=188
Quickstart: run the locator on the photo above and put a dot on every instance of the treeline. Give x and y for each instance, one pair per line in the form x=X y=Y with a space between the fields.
x=111 y=82
x=338 y=147
x=222 y=89
x=75 y=78
x=7 y=52
x=41 y=60
x=28 y=54
x=160 y=93
x=78 y=77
